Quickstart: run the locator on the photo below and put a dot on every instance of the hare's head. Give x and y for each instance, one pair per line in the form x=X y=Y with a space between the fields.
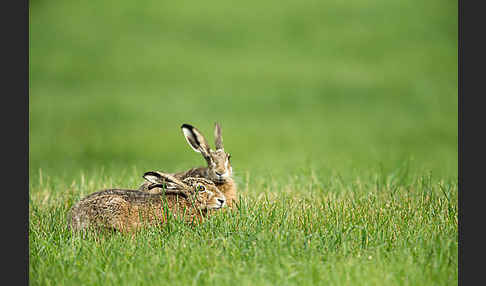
x=219 y=165
x=202 y=192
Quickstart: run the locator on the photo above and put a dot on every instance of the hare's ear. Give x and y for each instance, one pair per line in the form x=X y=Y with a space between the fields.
x=195 y=139
x=153 y=177
x=161 y=178
x=218 y=139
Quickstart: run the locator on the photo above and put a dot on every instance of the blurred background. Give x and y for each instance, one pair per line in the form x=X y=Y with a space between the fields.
x=331 y=87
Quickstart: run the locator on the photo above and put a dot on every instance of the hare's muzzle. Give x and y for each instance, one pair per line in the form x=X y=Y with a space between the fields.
x=220 y=177
x=217 y=203
x=221 y=202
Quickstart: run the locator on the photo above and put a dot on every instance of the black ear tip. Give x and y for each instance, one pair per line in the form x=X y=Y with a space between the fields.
x=151 y=173
x=188 y=126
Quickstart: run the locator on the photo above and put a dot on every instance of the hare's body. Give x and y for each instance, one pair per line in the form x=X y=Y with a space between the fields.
x=218 y=170
x=128 y=210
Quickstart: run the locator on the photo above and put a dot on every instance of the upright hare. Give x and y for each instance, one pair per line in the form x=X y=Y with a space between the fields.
x=218 y=168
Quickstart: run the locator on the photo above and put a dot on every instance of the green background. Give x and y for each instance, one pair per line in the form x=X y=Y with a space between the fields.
x=330 y=85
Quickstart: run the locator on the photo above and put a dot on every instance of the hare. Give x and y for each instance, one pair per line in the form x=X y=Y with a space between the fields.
x=218 y=168
x=127 y=210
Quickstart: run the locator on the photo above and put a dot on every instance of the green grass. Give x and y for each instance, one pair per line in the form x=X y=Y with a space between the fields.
x=341 y=118
x=394 y=231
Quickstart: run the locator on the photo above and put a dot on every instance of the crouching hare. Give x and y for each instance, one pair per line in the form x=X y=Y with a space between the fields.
x=218 y=169
x=127 y=210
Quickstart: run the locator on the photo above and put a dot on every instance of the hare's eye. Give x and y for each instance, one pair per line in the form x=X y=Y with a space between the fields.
x=200 y=188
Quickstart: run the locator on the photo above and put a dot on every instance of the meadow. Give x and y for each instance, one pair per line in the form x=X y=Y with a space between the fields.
x=341 y=119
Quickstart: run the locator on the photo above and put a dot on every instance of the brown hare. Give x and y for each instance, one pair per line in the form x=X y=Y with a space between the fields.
x=218 y=169
x=127 y=210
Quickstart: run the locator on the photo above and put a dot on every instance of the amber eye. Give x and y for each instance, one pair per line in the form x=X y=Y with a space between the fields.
x=200 y=188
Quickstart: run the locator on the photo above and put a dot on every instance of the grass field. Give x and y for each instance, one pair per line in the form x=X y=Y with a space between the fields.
x=341 y=119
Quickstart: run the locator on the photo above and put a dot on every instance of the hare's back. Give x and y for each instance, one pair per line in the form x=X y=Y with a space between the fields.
x=106 y=207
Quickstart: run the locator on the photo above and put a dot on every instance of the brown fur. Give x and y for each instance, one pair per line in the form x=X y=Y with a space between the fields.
x=218 y=163
x=128 y=210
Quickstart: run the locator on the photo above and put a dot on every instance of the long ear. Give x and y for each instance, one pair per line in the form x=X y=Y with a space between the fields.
x=159 y=178
x=196 y=140
x=218 y=139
